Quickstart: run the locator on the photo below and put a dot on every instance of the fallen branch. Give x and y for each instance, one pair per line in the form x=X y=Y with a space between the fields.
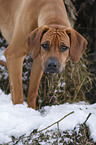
x=56 y=122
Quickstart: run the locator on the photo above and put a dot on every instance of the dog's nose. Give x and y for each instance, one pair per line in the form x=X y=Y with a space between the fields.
x=52 y=65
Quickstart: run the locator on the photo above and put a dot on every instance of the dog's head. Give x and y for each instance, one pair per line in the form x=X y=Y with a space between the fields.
x=55 y=45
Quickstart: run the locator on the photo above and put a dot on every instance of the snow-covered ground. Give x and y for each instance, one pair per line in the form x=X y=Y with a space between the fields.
x=16 y=120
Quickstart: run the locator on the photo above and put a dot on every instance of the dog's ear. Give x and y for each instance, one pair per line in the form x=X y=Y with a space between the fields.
x=78 y=44
x=34 y=39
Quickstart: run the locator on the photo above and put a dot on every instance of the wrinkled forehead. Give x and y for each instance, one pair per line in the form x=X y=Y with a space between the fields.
x=56 y=35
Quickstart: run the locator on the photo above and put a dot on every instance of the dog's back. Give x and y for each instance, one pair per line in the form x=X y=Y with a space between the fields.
x=31 y=10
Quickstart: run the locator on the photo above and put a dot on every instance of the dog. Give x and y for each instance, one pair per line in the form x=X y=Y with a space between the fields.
x=41 y=27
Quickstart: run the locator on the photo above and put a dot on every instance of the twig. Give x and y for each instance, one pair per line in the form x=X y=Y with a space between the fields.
x=87 y=118
x=58 y=134
x=3 y=63
x=79 y=87
x=56 y=122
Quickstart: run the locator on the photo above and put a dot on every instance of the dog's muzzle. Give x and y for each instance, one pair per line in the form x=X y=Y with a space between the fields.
x=52 y=66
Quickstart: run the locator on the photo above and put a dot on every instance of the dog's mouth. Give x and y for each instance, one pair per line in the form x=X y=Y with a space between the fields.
x=51 y=71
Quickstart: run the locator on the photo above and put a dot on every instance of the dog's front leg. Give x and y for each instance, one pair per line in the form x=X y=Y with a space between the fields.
x=15 y=76
x=35 y=77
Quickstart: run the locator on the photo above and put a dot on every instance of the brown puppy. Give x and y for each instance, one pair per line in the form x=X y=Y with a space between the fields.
x=42 y=27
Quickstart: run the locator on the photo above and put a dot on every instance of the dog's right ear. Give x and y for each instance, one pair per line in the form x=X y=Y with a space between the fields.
x=34 y=39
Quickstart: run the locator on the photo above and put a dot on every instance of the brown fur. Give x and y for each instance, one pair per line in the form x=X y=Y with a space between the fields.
x=27 y=25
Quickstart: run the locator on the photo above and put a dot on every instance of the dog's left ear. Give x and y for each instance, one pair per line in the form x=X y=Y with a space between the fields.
x=34 y=39
x=78 y=44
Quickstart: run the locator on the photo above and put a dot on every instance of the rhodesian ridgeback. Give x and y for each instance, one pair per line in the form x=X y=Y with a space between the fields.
x=42 y=27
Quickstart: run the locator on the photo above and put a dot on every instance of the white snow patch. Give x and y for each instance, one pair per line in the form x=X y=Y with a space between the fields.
x=16 y=120
x=2 y=57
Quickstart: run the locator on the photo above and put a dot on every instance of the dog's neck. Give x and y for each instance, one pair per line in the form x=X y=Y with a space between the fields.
x=50 y=15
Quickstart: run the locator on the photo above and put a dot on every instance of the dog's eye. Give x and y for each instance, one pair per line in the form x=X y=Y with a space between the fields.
x=45 y=46
x=64 y=48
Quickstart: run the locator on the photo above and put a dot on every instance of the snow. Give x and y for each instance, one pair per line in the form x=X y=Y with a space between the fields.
x=17 y=120
x=2 y=57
